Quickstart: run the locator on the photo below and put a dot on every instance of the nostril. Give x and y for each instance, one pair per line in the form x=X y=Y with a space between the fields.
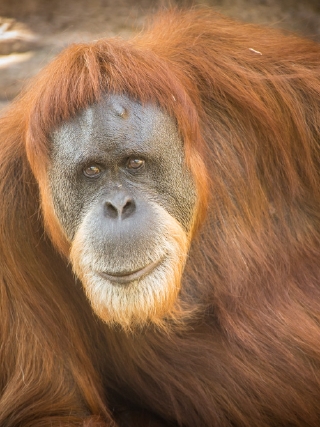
x=119 y=208
x=110 y=210
x=128 y=208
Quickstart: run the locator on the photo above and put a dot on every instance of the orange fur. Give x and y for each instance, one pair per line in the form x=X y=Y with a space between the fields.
x=246 y=101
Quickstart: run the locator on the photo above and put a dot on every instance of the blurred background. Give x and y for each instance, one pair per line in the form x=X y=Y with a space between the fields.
x=32 y=32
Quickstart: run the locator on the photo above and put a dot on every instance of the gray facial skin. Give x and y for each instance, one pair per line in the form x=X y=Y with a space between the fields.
x=111 y=137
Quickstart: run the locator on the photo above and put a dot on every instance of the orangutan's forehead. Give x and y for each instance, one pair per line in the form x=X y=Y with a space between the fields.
x=118 y=124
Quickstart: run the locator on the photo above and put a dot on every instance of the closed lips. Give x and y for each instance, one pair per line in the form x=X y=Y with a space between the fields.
x=129 y=276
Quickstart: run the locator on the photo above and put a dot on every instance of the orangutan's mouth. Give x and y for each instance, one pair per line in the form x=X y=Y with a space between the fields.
x=124 y=277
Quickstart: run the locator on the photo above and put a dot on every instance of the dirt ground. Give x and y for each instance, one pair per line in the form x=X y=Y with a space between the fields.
x=32 y=32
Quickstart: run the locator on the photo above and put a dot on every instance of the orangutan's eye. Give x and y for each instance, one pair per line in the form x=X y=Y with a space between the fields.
x=133 y=163
x=92 y=171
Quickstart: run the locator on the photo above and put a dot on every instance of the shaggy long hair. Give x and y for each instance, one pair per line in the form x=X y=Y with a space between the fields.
x=246 y=101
